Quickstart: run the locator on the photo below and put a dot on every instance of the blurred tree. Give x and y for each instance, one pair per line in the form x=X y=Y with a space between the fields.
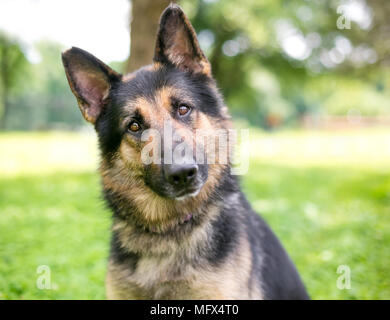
x=47 y=102
x=273 y=57
x=143 y=25
x=55 y=98
x=12 y=64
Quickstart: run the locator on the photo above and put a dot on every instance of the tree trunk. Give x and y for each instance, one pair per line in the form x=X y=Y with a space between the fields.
x=143 y=26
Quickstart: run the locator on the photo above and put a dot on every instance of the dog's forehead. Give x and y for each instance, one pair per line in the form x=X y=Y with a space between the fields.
x=153 y=85
x=152 y=89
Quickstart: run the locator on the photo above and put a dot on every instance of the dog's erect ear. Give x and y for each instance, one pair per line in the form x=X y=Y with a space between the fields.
x=177 y=43
x=90 y=81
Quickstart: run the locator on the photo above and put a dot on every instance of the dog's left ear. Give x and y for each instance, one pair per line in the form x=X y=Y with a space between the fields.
x=177 y=43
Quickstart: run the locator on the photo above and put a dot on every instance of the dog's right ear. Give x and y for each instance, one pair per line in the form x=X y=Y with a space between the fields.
x=90 y=81
x=177 y=43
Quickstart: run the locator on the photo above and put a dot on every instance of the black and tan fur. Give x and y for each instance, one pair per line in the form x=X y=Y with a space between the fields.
x=207 y=246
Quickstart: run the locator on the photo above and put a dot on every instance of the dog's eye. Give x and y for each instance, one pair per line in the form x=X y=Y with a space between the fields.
x=134 y=126
x=183 y=110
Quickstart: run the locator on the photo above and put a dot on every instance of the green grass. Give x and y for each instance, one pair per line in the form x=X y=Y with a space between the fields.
x=326 y=212
x=326 y=218
x=56 y=220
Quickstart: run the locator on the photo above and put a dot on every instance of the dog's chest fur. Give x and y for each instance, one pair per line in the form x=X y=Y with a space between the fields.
x=183 y=274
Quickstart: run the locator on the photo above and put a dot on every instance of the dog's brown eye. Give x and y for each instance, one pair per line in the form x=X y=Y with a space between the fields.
x=134 y=126
x=183 y=109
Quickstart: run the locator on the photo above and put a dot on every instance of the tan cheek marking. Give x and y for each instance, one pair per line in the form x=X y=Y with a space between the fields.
x=129 y=152
x=130 y=185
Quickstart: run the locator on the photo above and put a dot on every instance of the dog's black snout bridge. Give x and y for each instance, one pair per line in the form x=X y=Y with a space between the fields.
x=181 y=175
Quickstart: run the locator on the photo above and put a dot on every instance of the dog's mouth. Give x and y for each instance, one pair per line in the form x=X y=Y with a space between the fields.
x=166 y=191
x=188 y=193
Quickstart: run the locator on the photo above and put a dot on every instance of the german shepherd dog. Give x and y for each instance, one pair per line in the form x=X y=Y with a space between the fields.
x=181 y=230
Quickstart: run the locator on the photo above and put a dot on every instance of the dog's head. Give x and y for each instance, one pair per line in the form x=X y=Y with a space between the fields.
x=153 y=114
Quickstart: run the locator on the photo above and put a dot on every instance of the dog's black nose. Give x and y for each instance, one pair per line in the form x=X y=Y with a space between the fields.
x=180 y=175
